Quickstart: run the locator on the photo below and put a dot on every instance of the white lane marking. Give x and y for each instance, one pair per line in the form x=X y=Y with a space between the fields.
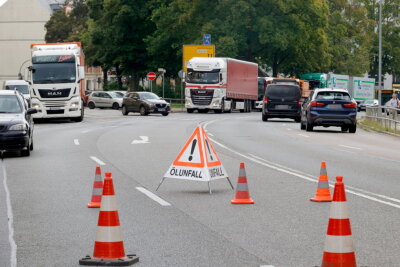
x=144 y=140
x=289 y=129
x=97 y=160
x=266 y=265
x=311 y=179
x=210 y=134
x=154 y=197
x=76 y=142
x=10 y=216
x=351 y=147
x=86 y=131
x=304 y=135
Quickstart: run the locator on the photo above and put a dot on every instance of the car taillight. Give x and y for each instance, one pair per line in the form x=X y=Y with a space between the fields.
x=316 y=104
x=350 y=105
x=265 y=100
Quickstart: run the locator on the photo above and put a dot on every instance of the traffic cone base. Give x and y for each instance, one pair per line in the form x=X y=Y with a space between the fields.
x=242 y=201
x=339 y=259
x=125 y=261
x=323 y=193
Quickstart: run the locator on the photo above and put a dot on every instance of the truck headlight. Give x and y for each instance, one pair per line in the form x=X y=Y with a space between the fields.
x=18 y=127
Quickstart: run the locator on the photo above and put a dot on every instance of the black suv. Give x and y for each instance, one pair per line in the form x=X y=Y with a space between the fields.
x=16 y=123
x=282 y=101
x=144 y=103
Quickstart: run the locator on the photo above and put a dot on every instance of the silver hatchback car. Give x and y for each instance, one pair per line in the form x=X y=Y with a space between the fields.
x=103 y=99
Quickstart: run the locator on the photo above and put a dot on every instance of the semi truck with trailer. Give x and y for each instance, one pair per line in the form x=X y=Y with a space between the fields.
x=57 y=76
x=220 y=84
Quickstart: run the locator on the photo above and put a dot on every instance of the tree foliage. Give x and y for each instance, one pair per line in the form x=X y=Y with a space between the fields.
x=285 y=36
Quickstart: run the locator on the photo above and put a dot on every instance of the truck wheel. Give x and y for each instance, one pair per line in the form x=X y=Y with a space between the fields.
x=264 y=117
x=189 y=110
x=80 y=118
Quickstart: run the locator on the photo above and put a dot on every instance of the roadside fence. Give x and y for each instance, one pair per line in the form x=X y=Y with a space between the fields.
x=386 y=117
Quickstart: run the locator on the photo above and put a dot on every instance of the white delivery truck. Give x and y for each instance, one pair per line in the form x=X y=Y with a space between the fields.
x=338 y=81
x=220 y=84
x=57 y=76
x=362 y=88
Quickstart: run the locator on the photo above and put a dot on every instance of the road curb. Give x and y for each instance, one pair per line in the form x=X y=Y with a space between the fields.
x=370 y=129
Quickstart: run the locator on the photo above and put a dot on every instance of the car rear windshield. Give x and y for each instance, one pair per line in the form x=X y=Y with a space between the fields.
x=333 y=96
x=19 y=87
x=283 y=91
x=9 y=104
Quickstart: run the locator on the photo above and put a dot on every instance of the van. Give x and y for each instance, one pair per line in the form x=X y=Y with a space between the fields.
x=21 y=86
x=282 y=101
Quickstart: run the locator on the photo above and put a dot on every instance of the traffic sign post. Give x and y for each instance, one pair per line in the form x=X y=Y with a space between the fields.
x=151 y=76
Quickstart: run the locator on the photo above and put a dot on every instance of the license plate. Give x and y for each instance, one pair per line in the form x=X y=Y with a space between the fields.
x=334 y=106
x=282 y=107
x=54 y=108
x=161 y=109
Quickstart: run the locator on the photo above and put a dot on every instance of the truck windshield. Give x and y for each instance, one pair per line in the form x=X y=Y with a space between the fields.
x=23 y=89
x=202 y=77
x=53 y=69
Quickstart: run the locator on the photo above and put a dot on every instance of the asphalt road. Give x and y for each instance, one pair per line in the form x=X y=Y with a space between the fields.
x=48 y=192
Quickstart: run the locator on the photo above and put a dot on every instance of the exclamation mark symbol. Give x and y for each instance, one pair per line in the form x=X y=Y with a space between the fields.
x=209 y=151
x=192 y=149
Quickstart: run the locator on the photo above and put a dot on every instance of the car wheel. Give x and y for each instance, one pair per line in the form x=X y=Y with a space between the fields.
x=124 y=111
x=26 y=153
x=302 y=125
x=31 y=146
x=165 y=113
x=345 y=128
x=264 y=117
x=91 y=105
x=353 y=128
x=115 y=105
x=189 y=110
x=143 y=111
x=309 y=126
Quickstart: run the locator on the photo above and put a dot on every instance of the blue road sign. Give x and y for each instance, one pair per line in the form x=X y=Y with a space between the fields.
x=207 y=39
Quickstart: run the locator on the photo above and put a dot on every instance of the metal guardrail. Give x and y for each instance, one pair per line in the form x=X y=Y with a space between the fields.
x=387 y=117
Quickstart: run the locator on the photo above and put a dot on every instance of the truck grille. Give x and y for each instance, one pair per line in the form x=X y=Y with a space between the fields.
x=54 y=104
x=201 y=97
x=49 y=93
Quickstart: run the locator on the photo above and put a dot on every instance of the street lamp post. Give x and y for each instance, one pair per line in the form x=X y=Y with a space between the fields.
x=380 y=55
x=19 y=73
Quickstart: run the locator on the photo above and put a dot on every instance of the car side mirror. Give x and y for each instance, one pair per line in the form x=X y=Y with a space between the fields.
x=31 y=111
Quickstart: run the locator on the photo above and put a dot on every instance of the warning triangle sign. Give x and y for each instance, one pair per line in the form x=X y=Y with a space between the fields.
x=197 y=160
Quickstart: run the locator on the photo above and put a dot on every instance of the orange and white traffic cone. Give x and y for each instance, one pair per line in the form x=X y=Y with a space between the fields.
x=108 y=246
x=323 y=193
x=242 y=195
x=339 y=251
x=97 y=190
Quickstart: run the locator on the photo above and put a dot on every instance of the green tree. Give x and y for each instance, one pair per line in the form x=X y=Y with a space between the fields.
x=58 y=28
x=350 y=38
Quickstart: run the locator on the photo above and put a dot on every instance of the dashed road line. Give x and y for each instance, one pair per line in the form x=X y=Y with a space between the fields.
x=13 y=245
x=296 y=173
x=97 y=160
x=154 y=197
x=304 y=135
x=351 y=147
x=76 y=142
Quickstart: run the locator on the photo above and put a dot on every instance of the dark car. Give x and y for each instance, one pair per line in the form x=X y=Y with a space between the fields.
x=282 y=101
x=16 y=123
x=144 y=103
x=329 y=107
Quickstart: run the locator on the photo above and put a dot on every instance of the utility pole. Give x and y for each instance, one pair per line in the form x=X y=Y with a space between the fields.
x=380 y=55
x=163 y=72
